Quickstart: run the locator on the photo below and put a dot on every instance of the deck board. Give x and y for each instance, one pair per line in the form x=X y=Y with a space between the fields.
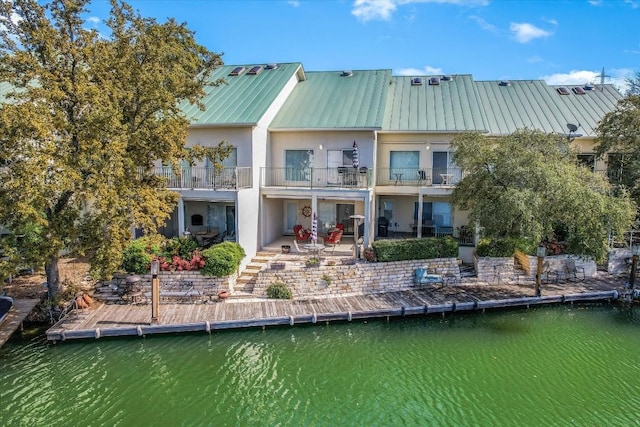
x=19 y=311
x=120 y=318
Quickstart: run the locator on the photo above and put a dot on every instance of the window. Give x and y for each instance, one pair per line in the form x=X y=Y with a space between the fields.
x=403 y=163
x=298 y=164
x=437 y=212
x=441 y=166
x=427 y=212
x=255 y=70
x=236 y=71
x=587 y=160
x=337 y=159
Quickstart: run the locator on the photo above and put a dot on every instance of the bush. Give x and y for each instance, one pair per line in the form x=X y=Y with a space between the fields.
x=223 y=259
x=504 y=247
x=180 y=246
x=135 y=258
x=408 y=249
x=279 y=290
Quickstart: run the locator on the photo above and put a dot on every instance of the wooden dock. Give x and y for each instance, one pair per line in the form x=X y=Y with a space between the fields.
x=111 y=320
x=19 y=311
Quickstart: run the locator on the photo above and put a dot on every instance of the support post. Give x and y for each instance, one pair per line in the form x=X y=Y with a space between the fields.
x=155 y=292
x=634 y=269
x=541 y=252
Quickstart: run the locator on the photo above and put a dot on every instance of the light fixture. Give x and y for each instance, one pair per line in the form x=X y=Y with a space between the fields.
x=320 y=147
x=635 y=250
x=541 y=251
x=427 y=147
x=155 y=267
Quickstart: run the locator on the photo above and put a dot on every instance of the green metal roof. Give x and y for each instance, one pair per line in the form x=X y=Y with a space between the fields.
x=535 y=105
x=244 y=98
x=330 y=100
x=451 y=106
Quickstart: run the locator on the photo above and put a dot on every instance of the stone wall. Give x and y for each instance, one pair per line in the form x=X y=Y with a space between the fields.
x=490 y=269
x=359 y=278
x=617 y=263
x=175 y=278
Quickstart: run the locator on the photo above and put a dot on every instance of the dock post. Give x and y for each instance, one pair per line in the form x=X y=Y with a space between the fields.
x=541 y=252
x=155 y=291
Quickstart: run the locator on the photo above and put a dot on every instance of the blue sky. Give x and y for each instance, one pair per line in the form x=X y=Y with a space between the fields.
x=560 y=41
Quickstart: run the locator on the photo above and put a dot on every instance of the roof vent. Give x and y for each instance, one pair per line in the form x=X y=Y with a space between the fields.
x=272 y=66
x=589 y=86
x=578 y=90
x=504 y=83
x=563 y=90
x=434 y=81
x=446 y=78
x=416 y=81
x=255 y=70
x=347 y=73
x=236 y=71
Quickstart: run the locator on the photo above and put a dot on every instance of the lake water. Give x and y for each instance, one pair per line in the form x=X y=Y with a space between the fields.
x=549 y=366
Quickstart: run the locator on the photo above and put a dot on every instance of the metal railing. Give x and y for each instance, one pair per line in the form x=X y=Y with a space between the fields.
x=341 y=177
x=206 y=178
x=419 y=177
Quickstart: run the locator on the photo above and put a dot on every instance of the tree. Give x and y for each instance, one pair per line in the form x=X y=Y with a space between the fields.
x=634 y=84
x=529 y=184
x=619 y=140
x=86 y=119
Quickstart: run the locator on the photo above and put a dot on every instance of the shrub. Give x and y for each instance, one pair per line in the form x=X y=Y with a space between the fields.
x=180 y=246
x=504 y=247
x=135 y=257
x=408 y=249
x=223 y=259
x=279 y=290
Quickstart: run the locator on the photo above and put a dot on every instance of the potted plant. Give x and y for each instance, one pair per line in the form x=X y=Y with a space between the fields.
x=286 y=249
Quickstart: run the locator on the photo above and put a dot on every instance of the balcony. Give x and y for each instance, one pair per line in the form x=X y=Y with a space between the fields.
x=341 y=177
x=201 y=178
x=419 y=177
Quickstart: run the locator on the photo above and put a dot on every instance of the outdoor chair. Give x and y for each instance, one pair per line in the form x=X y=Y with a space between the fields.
x=333 y=239
x=298 y=250
x=301 y=235
x=574 y=272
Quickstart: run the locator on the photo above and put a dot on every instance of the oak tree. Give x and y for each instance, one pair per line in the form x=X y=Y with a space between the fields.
x=83 y=120
x=529 y=184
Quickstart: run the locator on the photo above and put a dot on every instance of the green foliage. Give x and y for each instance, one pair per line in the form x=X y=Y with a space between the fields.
x=506 y=247
x=180 y=246
x=618 y=133
x=279 y=290
x=407 y=249
x=136 y=258
x=89 y=116
x=528 y=184
x=223 y=259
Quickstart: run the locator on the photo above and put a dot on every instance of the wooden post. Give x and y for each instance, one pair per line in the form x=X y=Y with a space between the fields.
x=634 y=268
x=155 y=291
x=539 y=277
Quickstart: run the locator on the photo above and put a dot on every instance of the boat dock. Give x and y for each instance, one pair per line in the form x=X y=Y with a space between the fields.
x=19 y=311
x=115 y=320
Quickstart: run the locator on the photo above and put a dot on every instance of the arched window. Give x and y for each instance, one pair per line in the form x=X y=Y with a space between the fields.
x=196 y=219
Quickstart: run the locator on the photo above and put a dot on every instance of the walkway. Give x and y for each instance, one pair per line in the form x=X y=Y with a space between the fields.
x=132 y=320
x=19 y=311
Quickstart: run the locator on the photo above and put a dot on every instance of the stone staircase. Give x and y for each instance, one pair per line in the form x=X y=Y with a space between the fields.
x=247 y=280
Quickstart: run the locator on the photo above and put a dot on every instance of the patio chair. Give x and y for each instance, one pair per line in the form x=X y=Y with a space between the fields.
x=301 y=235
x=333 y=239
x=298 y=250
x=574 y=272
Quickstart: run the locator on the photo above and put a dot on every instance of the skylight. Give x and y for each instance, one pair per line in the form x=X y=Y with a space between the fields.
x=272 y=66
x=504 y=83
x=347 y=73
x=446 y=78
x=236 y=71
x=416 y=81
x=434 y=81
x=255 y=70
x=563 y=90
x=578 y=90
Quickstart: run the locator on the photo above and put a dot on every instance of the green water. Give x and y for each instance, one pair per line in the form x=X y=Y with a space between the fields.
x=563 y=366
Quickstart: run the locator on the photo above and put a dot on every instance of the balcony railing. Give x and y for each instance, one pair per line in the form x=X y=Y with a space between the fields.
x=206 y=178
x=419 y=177
x=341 y=177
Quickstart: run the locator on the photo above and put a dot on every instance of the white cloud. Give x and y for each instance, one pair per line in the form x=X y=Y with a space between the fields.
x=294 y=3
x=484 y=24
x=525 y=32
x=369 y=10
x=426 y=71
x=535 y=59
x=633 y=3
x=94 y=20
x=615 y=77
x=595 y=2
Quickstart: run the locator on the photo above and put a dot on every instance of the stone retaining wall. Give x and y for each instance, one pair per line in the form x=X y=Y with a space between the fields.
x=361 y=277
x=488 y=269
x=199 y=281
x=617 y=261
